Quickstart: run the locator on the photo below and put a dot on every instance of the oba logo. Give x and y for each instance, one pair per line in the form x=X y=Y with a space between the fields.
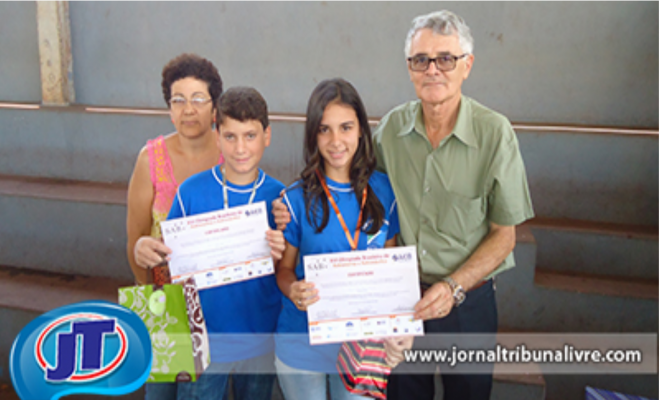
x=91 y=347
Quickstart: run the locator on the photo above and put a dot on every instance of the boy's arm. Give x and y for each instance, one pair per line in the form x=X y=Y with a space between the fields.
x=277 y=245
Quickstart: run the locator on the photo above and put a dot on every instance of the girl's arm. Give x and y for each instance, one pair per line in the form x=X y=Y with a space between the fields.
x=301 y=293
x=391 y=242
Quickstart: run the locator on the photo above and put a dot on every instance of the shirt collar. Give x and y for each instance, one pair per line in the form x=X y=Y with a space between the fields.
x=463 y=129
x=414 y=121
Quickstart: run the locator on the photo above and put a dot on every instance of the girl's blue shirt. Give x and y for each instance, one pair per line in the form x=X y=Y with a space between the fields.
x=292 y=341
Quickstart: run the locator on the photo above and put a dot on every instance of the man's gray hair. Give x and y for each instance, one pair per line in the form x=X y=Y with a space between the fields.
x=442 y=23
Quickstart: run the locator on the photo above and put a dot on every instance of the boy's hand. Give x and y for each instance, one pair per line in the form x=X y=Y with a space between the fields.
x=281 y=213
x=303 y=294
x=276 y=242
x=150 y=252
x=394 y=348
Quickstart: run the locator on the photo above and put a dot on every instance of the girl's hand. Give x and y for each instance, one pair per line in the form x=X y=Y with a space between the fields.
x=303 y=294
x=394 y=348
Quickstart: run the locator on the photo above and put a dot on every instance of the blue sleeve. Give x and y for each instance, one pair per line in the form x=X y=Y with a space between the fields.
x=293 y=231
x=390 y=205
x=175 y=210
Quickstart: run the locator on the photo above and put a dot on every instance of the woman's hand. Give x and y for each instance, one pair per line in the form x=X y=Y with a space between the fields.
x=394 y=347
x=303 y=294
x=150 y=252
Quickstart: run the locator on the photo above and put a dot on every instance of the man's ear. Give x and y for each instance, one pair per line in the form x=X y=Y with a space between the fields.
x=469 y=61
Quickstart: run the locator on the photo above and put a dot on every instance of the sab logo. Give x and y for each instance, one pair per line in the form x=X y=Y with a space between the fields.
x=90 y=347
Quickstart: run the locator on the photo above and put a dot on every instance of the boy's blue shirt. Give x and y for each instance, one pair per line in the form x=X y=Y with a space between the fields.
x=243 y=308
x=295 y=350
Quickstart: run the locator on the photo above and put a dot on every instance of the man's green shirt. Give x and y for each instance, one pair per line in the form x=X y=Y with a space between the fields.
x=447 y=196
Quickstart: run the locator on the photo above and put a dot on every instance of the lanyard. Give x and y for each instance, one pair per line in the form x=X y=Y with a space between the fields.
x=224 y=188
x=351 y=241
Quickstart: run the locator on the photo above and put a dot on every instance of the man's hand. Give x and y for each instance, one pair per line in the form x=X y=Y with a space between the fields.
x=276 y=242
x=150 y=252
x=303 y=294
x=436 y=303
x=394 y=348
x=281 y=213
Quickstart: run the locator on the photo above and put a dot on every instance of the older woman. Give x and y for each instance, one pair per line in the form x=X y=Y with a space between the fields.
x=191 y=88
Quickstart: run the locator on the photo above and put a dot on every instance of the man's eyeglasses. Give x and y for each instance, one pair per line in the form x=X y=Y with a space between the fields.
x=179 y=102
x=447 y=62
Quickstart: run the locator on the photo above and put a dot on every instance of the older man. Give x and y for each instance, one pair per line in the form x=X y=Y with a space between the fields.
x=461 y=188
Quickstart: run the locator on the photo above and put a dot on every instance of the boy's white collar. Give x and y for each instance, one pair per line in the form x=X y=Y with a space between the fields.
x=261 y=177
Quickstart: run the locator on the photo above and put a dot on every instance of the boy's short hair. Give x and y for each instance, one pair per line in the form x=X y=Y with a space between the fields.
x=243 y=104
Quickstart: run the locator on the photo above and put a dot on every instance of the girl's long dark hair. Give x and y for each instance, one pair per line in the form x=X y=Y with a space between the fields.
x=362 y=166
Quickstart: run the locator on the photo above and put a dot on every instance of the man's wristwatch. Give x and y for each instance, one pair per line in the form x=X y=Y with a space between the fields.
x=457 y=291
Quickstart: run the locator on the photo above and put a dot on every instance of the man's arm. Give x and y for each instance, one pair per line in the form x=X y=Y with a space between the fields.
x=494 y=248
x=492 y=251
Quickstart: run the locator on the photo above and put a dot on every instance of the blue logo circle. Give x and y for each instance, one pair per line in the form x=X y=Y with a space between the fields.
x=94 y=347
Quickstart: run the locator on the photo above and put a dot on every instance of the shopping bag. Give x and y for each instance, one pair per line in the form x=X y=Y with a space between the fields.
x=173 y=316
x=363 y=369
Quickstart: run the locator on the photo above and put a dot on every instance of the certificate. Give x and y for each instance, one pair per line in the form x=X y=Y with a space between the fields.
x=220 y=247
x=363 y=294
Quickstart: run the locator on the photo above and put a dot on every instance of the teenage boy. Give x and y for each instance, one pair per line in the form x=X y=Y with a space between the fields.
x=247 y=310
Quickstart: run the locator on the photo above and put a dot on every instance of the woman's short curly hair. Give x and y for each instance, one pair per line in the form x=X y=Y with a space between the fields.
x=191 y=65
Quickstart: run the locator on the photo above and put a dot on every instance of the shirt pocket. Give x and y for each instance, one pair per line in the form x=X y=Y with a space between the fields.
x=460 y=215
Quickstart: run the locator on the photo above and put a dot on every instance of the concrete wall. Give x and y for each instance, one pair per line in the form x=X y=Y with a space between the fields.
x=19 y=53
x=591 y=63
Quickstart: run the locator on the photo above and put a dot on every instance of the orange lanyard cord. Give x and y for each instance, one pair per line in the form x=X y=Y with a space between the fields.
x=351 y=241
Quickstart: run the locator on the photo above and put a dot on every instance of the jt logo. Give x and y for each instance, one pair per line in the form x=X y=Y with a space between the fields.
x=89 y=333
x=81 y=348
